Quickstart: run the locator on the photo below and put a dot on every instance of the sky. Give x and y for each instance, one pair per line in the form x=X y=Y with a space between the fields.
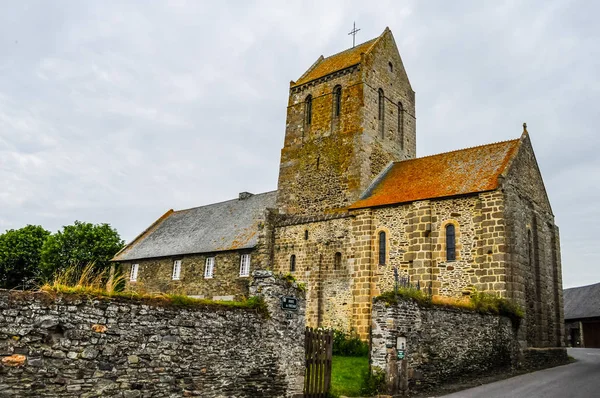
x=116 y=111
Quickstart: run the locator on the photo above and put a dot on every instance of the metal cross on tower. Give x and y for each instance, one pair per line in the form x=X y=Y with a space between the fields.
x=353 y=32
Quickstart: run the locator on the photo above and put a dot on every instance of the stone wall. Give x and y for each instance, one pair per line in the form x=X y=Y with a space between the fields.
x=315 y=243
x=75 y=346
x=155 y=275
x=533 y=251
x=441 y=344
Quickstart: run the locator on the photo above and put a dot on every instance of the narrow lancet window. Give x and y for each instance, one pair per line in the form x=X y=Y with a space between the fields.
x=293 y=263
x=337 y=261
x=337 y=101
x=381 y=113
x=382 y=248
x=450 y=242
x=401 y=124
x=308 y=110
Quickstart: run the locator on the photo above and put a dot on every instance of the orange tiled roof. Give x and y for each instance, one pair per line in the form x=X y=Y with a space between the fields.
x=460 y=172
x=336 y=62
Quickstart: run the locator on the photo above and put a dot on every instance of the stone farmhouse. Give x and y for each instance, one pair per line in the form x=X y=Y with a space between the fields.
x=354 y=206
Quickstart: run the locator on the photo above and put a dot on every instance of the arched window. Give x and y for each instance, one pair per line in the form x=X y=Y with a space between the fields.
x=391 y=67
x=381 y=113
x=337 y=261
x=337 y=101
x=293 y=263
x=382 y=248
x=308 y=110
x=450 y=242
x=401 y=124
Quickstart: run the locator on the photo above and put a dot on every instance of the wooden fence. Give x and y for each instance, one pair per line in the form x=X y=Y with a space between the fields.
x=318 y=346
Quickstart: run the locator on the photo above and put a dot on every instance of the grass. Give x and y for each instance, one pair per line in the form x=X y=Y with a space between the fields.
x=483 y=303
x=90 y=282
x=346 y=375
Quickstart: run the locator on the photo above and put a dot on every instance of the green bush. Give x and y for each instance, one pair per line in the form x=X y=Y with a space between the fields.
x=348 y=345
x=373 y=383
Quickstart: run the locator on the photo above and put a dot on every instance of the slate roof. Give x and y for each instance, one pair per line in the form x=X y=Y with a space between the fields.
x=461 y=172
x=336 y=62
x=582 y=302
x=229 y=225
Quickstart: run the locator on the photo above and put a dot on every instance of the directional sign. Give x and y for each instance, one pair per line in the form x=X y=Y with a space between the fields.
x=400 y=354
x=289 y=303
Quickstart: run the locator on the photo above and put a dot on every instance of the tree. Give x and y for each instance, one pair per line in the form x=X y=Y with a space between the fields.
x=78 y=245
x=20 y=251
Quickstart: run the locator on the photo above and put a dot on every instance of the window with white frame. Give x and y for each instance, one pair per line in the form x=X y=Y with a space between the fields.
x=133 y=274
x=245 y=265
x=176 y=270
x=209 y=267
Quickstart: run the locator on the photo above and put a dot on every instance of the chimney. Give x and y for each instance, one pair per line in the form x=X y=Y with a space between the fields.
x=245 y=195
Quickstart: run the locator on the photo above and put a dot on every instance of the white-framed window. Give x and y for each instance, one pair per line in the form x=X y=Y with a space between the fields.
x=176 y=270
x=133 y=274
x=245 y=265
x=209 y=267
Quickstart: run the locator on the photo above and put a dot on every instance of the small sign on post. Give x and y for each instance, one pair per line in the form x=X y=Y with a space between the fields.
x=289 y=303
x=400 y=354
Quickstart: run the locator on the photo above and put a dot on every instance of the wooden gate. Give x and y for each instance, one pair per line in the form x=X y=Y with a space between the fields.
x=318 y=346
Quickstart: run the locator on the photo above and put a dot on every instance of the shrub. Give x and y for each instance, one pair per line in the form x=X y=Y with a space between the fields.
x=373 y=383
x=349 y=345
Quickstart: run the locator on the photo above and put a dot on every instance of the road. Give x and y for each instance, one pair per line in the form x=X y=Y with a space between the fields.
x=577 y=380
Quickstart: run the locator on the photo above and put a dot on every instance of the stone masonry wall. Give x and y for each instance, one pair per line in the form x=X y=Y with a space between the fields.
x=329 y=286
x=533 y=251
x=416 y=242
x=75 y=346
x=155 y=276
x=327 y=164
x=441 y=344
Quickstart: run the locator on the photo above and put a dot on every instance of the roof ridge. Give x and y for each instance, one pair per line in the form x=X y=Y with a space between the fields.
x=352 y=48
x=458 y=150
x=221 y=202
x=581 y=287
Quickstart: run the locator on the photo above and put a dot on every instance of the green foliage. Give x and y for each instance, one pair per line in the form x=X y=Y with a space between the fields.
x=88 y=281
x=391 y=297
x=20 y=256
x=347 y=375
x=373 y=383
x=78 y=245
x=483 y=303
x=292 y=280
x=486 y=303
x=349 y=345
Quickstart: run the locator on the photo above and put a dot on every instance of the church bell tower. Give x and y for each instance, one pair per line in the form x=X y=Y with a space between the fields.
x=349 y=115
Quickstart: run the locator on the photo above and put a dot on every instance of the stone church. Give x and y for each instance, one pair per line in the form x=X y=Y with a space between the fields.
x=354 y=206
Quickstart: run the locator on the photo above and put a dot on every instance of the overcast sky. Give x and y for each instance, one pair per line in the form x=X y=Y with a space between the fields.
x=116 y=111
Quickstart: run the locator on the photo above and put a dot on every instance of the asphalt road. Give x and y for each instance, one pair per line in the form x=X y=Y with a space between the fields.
x=577 y=380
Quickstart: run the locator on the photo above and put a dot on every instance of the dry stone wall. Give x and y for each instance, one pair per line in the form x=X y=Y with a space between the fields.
x=73 y=346
x=442 y=344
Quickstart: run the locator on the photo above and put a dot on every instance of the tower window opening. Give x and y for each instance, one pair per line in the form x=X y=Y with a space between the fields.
x=308 y=110
x=401 y=124
x=337 y=101
x=306 y=234
x=381 y=113
x=292 y=263
x=391 y=67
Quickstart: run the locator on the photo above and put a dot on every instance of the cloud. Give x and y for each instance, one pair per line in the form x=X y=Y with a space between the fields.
x=116 y=112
